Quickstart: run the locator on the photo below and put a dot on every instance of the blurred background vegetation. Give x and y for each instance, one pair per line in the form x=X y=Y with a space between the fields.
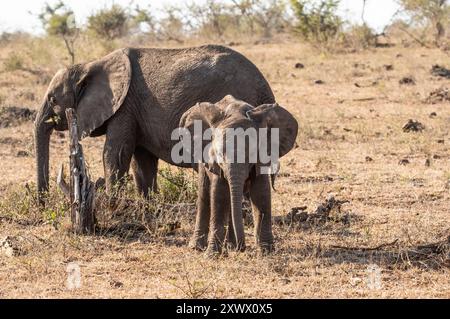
x=230 y=22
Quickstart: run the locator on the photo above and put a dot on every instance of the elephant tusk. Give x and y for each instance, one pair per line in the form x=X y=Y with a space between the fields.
x=274 y=169
x=62 y=183
x=272 y=181
x=53 y=120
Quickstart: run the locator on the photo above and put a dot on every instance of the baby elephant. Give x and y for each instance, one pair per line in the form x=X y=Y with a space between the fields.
x=235 y=160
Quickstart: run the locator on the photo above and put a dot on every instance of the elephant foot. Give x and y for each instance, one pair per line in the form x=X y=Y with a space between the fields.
x=214 y=250
x=212 y=254
x=241 y=247
x=265 y=249
x=231 y=242
x=198 y=243
x=232 y=246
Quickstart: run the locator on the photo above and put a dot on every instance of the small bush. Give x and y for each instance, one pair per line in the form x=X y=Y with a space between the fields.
x=61 y=24
x=359 y=37
x=176 y=185
x=317 y=21
x=109 y=23
x=59 y=21
x=20 y=205
x=162 y=214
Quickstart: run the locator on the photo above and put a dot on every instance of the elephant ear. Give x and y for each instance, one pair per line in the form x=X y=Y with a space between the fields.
x=208 y=114
x=274 y=116
x=229 y=105
x=101 y=90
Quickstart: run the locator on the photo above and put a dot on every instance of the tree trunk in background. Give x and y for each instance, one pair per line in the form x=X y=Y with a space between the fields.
x=82 y=190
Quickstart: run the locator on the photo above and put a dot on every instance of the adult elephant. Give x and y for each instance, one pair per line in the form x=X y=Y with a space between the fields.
x=137 y=97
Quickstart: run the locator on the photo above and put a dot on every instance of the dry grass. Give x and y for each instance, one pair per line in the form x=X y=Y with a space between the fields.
x=350 y=145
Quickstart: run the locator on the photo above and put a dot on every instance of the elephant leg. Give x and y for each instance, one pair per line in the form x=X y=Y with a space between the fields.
x=145 y=171
x=260 y=194
x=200 y=236
x=231 y=239
x=220 y=207
x=117 y=153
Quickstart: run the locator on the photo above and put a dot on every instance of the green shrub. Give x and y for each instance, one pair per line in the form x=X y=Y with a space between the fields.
x=143 y=17
x=59 y=21
x=61 y=24
x=20 y=204
x=177 y=185
x=233 y=19
x=109 y=23
x=317 y=21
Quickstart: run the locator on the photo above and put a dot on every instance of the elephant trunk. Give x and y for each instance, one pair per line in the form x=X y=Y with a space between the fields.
x=236 y=184
x=43 y=130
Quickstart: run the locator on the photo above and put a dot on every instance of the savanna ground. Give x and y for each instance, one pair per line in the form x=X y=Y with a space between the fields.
x=350 y=144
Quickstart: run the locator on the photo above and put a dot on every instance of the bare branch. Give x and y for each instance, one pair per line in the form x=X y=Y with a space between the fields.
x=62 y=183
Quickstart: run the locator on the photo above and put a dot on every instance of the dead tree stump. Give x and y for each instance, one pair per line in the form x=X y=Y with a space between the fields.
x=81 y=189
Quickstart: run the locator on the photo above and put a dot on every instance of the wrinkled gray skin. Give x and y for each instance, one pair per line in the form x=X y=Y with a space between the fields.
x=137 y=97
x=221 y=185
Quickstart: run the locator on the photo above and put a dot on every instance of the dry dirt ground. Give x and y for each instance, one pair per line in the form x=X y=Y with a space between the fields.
x=383 y=242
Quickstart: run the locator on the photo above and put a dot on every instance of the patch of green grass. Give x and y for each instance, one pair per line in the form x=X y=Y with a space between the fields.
x=177 y=185
x=20 y=204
